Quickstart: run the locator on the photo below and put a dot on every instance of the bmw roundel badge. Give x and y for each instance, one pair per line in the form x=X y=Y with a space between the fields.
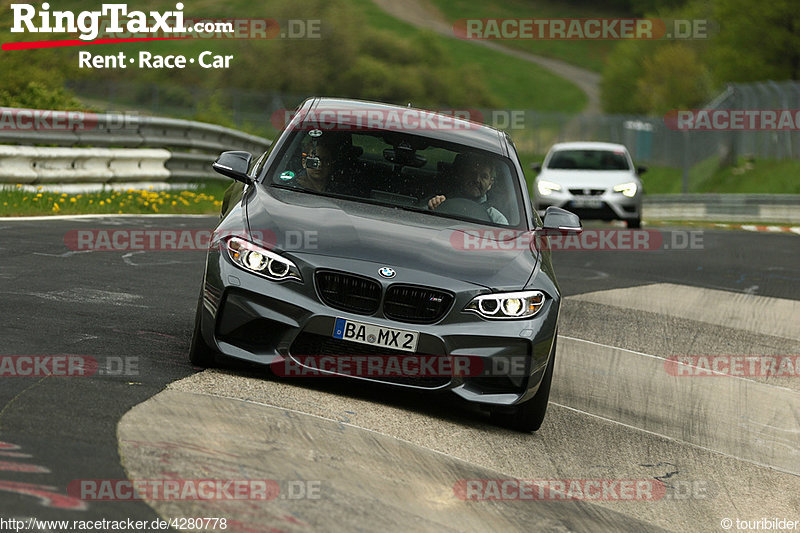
x=387 y=272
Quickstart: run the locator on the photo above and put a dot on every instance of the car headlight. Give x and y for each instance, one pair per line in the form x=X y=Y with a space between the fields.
x=627 y=189
x=508 y=305
x=256 y=259
x=547 y=187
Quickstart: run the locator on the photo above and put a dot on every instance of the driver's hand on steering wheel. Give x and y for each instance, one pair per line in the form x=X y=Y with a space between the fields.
x=436 y=201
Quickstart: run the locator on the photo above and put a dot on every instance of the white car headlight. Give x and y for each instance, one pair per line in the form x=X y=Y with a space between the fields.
x=256 y=259
x=547 y=187
x=627 y=189
x=508 y=305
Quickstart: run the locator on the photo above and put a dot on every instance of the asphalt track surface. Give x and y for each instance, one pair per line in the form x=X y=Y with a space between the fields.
x=722 y=446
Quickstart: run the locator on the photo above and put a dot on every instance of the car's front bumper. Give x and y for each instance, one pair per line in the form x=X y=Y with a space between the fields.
x=248 y=317
x=608 y=206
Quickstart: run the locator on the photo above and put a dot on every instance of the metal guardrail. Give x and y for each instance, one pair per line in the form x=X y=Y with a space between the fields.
x=192 y=146
x=768 y=208
x=36 y=164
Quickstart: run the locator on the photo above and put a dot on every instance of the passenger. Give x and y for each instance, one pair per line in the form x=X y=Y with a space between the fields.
x=327 y=160
x=318 y=162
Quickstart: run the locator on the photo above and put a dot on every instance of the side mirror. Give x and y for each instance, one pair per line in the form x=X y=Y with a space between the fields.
x=641 y=170
x=537 y=167
x=559 y=219
x=234 y=165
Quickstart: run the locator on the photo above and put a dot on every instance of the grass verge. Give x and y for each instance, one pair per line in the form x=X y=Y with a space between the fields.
x=749 y=176
x=205 y=199
x=589 y=54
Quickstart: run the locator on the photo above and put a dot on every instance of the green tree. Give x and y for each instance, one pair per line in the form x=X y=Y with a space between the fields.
x=756 y=41
x=672 y=78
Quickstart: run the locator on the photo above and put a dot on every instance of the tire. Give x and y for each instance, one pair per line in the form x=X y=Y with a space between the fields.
x=635 y=223
x=200 y=353
x=529 y=416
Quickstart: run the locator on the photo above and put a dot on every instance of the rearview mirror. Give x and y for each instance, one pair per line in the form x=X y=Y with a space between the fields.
x=234 y=165
x=641 y=170
x=559 y=219
x=537 y=167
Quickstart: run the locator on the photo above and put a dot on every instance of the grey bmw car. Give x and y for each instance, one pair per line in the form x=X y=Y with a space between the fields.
x=387 y=244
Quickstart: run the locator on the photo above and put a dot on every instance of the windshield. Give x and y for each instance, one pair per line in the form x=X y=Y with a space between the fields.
x=589 y=160
x=402 y=170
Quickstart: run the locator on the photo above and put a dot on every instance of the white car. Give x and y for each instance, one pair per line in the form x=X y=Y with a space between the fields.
x=594 y=180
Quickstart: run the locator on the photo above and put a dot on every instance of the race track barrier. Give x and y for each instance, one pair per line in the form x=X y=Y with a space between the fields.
x=33 y=165
x=767 y=208
x=67 y=143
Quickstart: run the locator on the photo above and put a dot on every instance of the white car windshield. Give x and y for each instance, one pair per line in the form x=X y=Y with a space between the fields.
x=589 y=160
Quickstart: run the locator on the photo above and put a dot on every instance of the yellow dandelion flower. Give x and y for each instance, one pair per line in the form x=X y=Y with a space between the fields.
x=73 y=200
x=102 y=202
x=56 y=208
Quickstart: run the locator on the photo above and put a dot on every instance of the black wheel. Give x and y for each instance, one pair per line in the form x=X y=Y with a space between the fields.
x=200 y=353
x=529 y=416
x=635 y=223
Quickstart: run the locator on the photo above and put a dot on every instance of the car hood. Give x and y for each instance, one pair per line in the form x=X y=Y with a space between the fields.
x=587 y=179
x=302 y=223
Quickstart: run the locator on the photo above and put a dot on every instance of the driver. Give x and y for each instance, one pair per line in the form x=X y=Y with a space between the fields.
x=474 y=176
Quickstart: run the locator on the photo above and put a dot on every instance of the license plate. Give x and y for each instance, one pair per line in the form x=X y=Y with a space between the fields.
x=397 y=339
x=588 y=203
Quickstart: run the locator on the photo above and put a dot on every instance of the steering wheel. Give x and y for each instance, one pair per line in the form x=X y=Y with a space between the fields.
x=464 y=207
